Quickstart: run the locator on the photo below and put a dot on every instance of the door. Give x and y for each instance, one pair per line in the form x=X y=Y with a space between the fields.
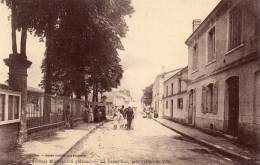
x=190 y=110
x=233 y=105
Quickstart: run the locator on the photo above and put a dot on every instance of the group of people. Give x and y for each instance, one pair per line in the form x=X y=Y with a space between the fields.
x=88 y=114
x=123 y=117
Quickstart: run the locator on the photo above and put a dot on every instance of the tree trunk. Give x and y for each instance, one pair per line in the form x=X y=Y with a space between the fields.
x=97 y=93
x=23 y=41
x=13 y=26
x=48 y=76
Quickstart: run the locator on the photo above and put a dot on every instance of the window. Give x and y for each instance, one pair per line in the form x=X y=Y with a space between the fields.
x=171 y=105
x=209 y=99
x=195 y=57
x=211 y=45
x=171 y=88
x=235 y=27
x=166 y=104
x=9 y=107
x=180 y=103
x=179 y=85
x=2 y=107
x=166 y=90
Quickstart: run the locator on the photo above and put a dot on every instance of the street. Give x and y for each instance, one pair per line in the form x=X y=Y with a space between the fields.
x=148 y=143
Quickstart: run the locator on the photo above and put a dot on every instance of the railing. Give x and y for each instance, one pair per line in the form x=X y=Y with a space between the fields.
x=45 y=109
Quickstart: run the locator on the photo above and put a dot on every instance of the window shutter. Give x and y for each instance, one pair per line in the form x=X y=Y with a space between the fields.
x=215 y=98
x=203 y=99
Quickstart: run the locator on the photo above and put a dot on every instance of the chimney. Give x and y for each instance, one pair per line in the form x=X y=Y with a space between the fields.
x=195 y=24
x=163 y=69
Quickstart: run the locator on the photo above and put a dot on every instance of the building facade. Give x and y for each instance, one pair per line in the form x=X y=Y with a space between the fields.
x=224 y=71
x=117 y=99
x=157 y=99
x=175 y=97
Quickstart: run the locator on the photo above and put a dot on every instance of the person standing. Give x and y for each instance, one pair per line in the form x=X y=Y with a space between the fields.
x=129 y=117
x=90 y=114
x=68 y=117
x=85 y=113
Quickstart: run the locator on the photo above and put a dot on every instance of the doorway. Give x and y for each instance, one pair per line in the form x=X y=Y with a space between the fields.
x=233 y=105
x=191 y=108
x=171 y=109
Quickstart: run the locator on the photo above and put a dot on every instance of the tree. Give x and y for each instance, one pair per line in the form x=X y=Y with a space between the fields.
x=148 y=95
x=87 y=37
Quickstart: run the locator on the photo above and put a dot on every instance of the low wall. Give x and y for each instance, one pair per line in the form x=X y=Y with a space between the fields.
x=209 y=125
x=8 y=135
x=50 y=129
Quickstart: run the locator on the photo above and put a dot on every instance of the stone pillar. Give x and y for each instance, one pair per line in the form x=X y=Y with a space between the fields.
x=18 y=65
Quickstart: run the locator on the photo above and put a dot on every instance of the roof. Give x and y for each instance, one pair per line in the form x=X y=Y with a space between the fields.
x=211 y=14
x=185 y=69
x=171 y=72
x=30 y=89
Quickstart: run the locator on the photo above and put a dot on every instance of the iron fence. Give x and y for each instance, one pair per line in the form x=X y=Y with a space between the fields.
x=43 y=109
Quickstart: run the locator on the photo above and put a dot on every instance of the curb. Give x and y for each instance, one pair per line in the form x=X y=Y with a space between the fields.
x=220 y=149
x=79 y=141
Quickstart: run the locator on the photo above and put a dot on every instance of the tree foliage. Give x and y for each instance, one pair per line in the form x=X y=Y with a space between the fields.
x=82 y=41
x=147 y=95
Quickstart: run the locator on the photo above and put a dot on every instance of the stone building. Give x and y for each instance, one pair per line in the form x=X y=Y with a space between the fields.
x=175 y=97
x=117 y=99
x=224 y=71
x=157 y=102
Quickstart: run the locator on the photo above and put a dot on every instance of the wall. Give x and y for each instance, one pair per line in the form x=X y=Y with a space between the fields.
x=8 y=135
x=176 y=114
x=243 y=61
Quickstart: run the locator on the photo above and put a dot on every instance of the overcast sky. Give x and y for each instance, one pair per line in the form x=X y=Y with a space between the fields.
x=157 y=32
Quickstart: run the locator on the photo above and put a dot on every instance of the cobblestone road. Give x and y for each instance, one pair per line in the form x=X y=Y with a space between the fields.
x=148 y=143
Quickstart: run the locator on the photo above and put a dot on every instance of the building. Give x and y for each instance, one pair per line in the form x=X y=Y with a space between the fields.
x=175 y=97
x=117 y=99
x=224 y=71
x=10 y=117
x=157 y=102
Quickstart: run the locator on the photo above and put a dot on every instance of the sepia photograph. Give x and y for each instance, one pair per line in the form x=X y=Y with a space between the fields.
x=129 y=82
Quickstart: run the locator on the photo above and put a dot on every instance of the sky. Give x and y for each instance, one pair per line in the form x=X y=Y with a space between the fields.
x=156 y=39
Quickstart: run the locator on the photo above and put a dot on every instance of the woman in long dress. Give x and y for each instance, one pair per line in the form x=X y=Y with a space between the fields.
x=118 y=117
x=90 y=115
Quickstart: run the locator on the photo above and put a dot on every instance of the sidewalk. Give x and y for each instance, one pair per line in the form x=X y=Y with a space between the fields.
x=48 y=150
x=220 y=144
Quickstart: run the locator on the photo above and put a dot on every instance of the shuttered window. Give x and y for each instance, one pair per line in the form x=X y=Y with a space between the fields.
x=195 y=57
x=180 y=103
x=209 y=101
x=209 y=98
x=2 y=107
x=211 y=45
x=203 y=100
x=235 y=27
x=215 y=98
